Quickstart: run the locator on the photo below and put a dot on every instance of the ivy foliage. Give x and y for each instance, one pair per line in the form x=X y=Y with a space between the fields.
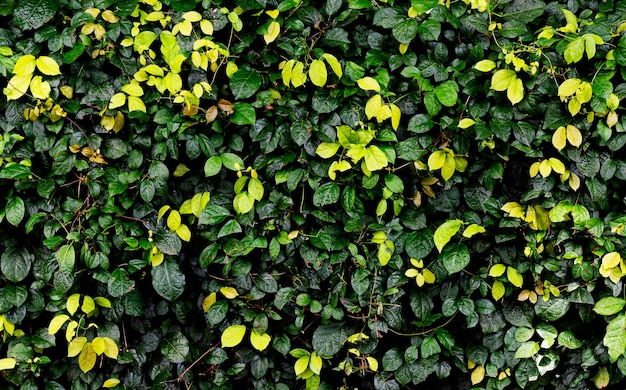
x=312 y=194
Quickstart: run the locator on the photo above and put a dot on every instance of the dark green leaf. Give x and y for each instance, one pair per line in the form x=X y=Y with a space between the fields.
x=244 y=83
x=31 y=14
x=167 y=279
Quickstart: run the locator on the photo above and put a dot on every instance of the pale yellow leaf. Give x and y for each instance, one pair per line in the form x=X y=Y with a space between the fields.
x=259 y=341
x=173 y=220
x=87 y=358
x=48 y=66
x=485 y=66
x=209 y=301
x=368 y=84
x=72 y=304
x=574 y=137
x=502 y=79
x=273 y=13
x=373 y=106
x=559 y=138
x=57 y=322
x=318 y=73
x=515 y=92
x=98 y=345
x=334 y=64
x=497 y=290
x=229 y=292
x=395 y=116
x=39 y=88
x=272 y=32
x=184 y=233
x=568 y=88
x=136 y=104
x=117 y=100
x=111 y=382
x=477 y=375
x=25 y=65
x=233 y=335
x=76 y=346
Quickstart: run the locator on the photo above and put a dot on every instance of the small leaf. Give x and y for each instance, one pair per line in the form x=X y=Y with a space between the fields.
x=7 y=364
x=514 y=277
x=527 y=350
x=315 y=363
x=445 y=232
x=559 y=138
x=57 y=322
x=334 y=64
x=272 y=32
x=111 y=382
x=25 y=65
x=574 y=137
x=473 y=229
x=497 y=290
x=318 y=73
x=76 y=346
x=368 y=84
x=233 y=335
x=466 y=122
x=502 y=79
x=259 y=341
x=73 y=303
x=301 y=364
x=515 y=92
x=477 y=375
x=173 y=220
x=48 y=66
x=229 y=292
x=497 y=270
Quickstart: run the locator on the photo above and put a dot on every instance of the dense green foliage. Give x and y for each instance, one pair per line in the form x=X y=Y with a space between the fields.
x=312 y=194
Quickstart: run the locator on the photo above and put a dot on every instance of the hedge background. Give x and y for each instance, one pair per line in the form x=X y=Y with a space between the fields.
x=312 y=194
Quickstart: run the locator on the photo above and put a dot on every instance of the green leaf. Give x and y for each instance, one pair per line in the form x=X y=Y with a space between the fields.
x=405 y=31
x=328 y=339
x=327 y=193
x=569 y=340
x=167 y=279
x=230 y=227
x=15 y=210
x=244 y=115
x=31 y=14
x=615 y=337
x=502 y=79
x=244 y=83
x=213 y=166
x=445 y=232
x=66 y=257
x=175 y=347
x=497 y=270
x=527 y=350
x=609 y=305
x=233 y=335
x=429 y=347
x=455 y=258
x=14 y=171
x=375 y=159
x=574 y=50
x=232 y=161
x=447 y=93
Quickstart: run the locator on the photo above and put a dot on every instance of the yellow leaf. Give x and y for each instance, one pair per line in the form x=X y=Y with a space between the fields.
x=57 y=322
x=612 y=118
x=315 y=363
x=568 y=88
x=231 y=69
x=574 y=105
x=67 y=91
x=466 y=122
x=545 y=168
x=477 y=375
x=301 y=364
x=368 y=84
x=372 y=363
x=209 y=301
x=73 y=302
x=334 y=64
x=162 y=212
x=572 y=23
x=117 y=100
x=192 y=16
x=70 y=331
x=318 y=73
x=611 y=260
x=181 y=170
x=497 y=290
x=559 y=138
x=156 y=259
x=429 y=276
x=534 y=169
x=184 y=233
x=375 y=159
x=272 y=32
x=87 y=358
x=25 y=65
x=110 y=17
x=515 y=92
x=119 y=122
x=448 y=168
x=273 y=13
x=298 y=77
x=502 y=79
x=135 y=104
x=485 y=66
x=373 y=106
x=229 y=292
x=111 y=382
x=436 y=160
x=133 y=89
x=76 y=346
x=411 y=273
x=259 y=341
x=111 y=349
x=206 y=26
x=48 y=66
x=497 y=270
x=574 y=137
x=574 y=182
x=17 y=86
x=233 y=335
x=98 y=345
x=514 y=277
x=39 y=88
x=395 y=116
x=173 y=220
x=286 y=71
x=557 y=165
x=602 y=378
x=7 y=364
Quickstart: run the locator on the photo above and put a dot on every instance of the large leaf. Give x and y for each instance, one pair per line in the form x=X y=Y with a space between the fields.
x=31 y=14
x=455 y=257
x=167 y=279
x=445 y=232
x=175 y=347
x=14 y=265
x=244 y=83
x=329 y=339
